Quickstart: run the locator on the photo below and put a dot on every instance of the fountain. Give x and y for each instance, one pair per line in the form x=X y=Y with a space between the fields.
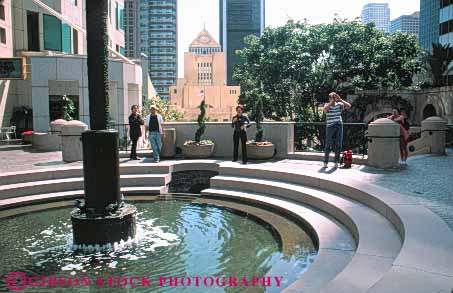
x=103 y=218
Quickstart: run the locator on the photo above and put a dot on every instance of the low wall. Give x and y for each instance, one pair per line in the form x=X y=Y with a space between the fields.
x=279 y=133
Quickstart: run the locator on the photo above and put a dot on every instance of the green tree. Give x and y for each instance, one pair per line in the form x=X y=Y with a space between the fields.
x=163 y=106
x=68 y=108
x=299 y=64
x=201 y=122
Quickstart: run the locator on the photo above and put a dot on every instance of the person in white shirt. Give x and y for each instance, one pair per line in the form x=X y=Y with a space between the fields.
x=153 y=125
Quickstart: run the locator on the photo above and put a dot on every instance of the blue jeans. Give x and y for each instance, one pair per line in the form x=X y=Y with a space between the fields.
x=155 y=139
x=334 y=137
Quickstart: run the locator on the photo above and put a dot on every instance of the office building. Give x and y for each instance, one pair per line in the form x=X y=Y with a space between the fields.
x=158 y=40
x=429 y=23
x=204 y=79
x=377 y=13
x=51 y=35
x=238 y=19
x=409 y=24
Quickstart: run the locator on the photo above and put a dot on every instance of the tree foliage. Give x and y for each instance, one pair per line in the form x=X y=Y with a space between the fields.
x=201 y=122
x=163 y=106
x=297 y=65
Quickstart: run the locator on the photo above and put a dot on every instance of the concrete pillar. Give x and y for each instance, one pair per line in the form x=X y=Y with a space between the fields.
x=169 y=143
x=434 y=131
x=383 y=144
x=71 y=142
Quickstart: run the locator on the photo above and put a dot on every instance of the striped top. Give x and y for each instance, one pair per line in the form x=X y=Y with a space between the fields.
x=334 y=114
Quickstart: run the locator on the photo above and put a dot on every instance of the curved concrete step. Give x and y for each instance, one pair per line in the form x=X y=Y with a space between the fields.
x=336 y=245
x=73 y=194
x=68 y=184
x=378 y=241
x=424 y=263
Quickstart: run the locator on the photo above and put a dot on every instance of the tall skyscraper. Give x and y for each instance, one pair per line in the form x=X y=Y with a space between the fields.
x=158 y=38
x=429 y=23
x=377 y=13
x=407 y=24
x=446 y=23
x=131 y=28
x=238 y=19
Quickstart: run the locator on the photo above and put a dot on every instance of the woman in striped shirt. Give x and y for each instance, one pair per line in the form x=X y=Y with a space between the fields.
x=334 y=126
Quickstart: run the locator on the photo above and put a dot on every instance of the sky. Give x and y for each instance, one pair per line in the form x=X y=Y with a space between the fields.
x=194 y=14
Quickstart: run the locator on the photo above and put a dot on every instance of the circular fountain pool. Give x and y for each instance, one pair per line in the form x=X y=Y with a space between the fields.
x=183 y=243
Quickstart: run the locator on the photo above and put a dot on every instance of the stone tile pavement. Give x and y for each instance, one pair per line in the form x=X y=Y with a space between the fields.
x=429 y=179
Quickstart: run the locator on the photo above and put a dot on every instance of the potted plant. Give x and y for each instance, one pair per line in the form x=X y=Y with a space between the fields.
x=199 y=148
x=259 y=149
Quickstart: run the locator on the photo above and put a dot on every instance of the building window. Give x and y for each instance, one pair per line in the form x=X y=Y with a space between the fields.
x=57 y=35
x=119 y=16
x=52 y=33
x=2 y=12
x=74 y=2
x=2 y=35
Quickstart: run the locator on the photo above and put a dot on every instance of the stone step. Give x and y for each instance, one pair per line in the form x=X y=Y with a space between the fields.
x=76 y=171
x=73 y=194
x=378 y=241
x=336 y=245
x=76 y=183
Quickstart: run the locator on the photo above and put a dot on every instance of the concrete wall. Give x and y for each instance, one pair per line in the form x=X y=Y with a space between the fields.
x=279 y=133
x=440 y=98
x=68 y=75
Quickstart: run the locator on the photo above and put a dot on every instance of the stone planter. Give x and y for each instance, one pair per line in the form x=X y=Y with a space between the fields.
x=260 y=152
x=198 y=151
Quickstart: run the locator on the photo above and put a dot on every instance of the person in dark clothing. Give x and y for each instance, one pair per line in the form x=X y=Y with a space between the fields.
x=240 y=123
x=135 y=130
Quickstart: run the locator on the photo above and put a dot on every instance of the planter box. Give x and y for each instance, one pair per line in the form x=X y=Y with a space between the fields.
x=198 y=151
x=260 y=152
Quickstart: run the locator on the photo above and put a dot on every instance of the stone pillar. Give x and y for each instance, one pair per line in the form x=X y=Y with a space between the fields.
x=71 y=142
x=383 y=144
x=434 y=130
x=169 y=143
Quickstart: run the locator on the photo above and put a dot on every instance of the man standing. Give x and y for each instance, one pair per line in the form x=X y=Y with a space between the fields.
x=135 y=130
x=334 y=126
x=153 y=125
x=240 y=123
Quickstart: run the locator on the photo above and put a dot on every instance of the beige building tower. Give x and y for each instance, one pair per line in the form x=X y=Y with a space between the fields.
x=204 y=78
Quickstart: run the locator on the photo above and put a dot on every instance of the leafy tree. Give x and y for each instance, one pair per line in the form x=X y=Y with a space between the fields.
x=163 y=106
x=68 y=108
x=299 y=64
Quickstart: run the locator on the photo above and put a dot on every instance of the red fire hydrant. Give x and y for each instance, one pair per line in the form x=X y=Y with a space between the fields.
x=347 y=159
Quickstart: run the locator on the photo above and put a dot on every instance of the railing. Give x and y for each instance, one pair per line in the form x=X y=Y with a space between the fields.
x=125 y=142
x=310 y=137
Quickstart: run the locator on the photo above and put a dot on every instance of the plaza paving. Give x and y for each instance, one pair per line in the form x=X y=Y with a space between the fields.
x=426 y=178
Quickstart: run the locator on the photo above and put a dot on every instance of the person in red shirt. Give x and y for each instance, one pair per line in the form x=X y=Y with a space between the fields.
x=400 y=118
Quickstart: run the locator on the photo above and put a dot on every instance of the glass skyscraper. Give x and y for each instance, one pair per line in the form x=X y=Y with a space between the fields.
x=429 y=23
x=158 y=39
x=238 y=19
x=377 y=13
x=407 y=24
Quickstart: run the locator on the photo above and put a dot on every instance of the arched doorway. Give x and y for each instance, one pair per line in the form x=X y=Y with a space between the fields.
x=429 y=111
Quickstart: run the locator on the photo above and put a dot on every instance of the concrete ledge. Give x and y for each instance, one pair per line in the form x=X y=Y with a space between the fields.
x=336 y=245
x=312 y=156
x=377 y=240
x=421 y=231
